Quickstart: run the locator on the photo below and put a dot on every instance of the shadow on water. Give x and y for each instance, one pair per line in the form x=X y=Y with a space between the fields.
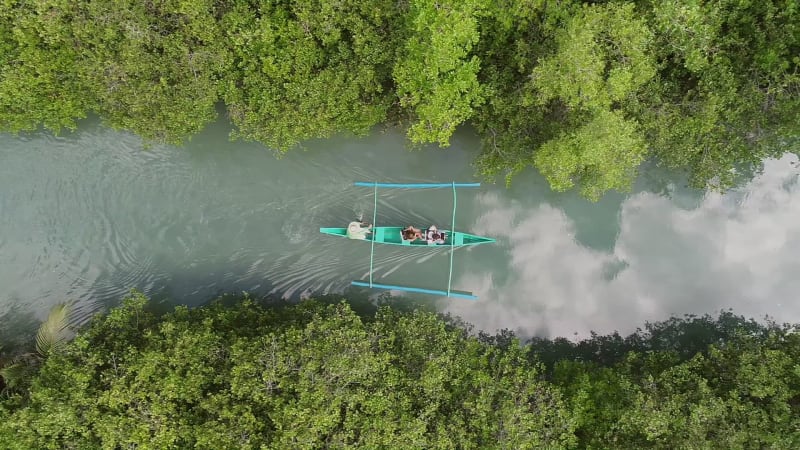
x=229 y=282
x=683 y=337
x=18 y=325
x=364 y=303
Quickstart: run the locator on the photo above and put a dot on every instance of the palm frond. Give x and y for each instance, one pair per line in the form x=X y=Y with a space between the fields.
x=54 y=332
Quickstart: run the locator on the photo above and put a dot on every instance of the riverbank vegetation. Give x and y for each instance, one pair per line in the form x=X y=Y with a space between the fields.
x=583 y=92
x=319 y=375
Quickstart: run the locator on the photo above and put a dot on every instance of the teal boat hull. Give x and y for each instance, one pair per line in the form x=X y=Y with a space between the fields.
x=392 y=236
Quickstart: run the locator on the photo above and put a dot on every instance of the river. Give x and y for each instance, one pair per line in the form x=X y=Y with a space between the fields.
x=86 y=216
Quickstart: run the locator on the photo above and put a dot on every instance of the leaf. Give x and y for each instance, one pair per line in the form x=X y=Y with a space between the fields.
x=53 y=334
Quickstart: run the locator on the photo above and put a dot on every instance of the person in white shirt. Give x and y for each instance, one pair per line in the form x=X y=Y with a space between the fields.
x=355 y=230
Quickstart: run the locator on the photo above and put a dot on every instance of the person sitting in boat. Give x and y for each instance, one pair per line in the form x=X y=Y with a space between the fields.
x=411 y=234
x=433 y=236
x=356 y=230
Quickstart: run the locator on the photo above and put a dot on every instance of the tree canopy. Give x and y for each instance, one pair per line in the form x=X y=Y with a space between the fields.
x=583 y=92
x=317 y=374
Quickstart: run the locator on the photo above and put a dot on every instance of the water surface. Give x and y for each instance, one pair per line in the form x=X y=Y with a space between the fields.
x=87 y=216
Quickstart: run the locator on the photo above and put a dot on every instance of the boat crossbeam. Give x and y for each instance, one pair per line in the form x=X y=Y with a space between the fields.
x=415 y=185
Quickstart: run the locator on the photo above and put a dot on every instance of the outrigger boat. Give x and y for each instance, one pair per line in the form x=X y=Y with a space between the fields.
x=393 y=236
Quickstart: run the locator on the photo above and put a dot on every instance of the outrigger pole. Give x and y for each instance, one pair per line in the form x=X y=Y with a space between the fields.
x=454 y=294
x=449 y=292
x=415 y=185
x=374 y=218
x=452 y=241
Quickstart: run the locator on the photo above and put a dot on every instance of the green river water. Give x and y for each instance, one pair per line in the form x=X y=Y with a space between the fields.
x=86 y=216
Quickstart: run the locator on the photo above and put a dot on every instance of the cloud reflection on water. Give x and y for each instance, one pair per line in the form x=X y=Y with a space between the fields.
x=737 y=250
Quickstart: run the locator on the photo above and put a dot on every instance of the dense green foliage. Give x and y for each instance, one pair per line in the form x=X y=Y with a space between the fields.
x=309 y=69
x=319 y=375
x=51 y=338
x=437 y=74
x=584 y=92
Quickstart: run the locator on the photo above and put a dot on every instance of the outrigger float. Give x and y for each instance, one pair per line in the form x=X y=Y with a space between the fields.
x=393 y=236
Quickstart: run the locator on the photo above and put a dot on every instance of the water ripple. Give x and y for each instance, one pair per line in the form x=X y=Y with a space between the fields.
x=86 y=216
